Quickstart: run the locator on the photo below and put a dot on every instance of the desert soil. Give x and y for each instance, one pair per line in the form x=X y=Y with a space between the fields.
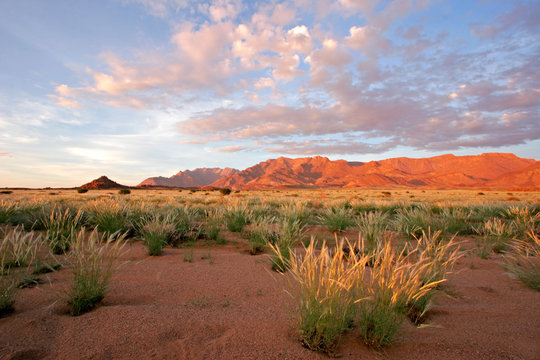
x=227 y=304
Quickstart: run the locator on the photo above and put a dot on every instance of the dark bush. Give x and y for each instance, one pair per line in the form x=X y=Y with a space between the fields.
x=225 y=191
x=124 y=191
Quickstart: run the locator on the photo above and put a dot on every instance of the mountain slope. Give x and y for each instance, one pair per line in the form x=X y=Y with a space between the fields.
x=440 y=171
x=189 y=178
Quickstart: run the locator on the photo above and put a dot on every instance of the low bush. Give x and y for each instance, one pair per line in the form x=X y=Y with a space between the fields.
x=225 y=191
x=82 y=191
x=124 y=191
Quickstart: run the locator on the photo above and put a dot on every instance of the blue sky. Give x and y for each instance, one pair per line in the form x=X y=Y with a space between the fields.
x=138 y=88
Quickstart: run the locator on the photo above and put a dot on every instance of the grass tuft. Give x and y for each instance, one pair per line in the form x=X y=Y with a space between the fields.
x=92 y=259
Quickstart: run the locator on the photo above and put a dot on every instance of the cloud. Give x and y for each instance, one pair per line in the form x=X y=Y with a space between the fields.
x=160 y=8
x=233 y=148
x=3 y=153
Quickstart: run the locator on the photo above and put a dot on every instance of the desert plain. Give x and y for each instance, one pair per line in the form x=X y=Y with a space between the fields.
x=205 y=298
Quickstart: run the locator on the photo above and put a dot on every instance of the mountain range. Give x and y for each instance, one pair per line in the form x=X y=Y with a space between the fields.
x=491 y=170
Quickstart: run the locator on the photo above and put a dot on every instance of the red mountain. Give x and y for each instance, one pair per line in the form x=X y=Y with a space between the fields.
x=189 y=178
x=102 y=182
x=486 y=170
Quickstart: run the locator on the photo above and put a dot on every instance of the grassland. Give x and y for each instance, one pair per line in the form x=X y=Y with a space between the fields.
x=364 y=271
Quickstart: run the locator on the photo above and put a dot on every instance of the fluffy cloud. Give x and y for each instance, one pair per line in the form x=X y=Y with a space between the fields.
x=375 y=81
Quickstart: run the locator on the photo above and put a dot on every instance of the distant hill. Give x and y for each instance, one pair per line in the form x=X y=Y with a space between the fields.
x=498 y=170
x=102 y=182
x=189 y=178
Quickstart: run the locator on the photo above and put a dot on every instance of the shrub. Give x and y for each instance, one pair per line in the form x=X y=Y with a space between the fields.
x=92 y=261
x=82 y=191
x=225 y=191
x=7 y=192
x=124 y=191
x=325 y=296
x=336 y=219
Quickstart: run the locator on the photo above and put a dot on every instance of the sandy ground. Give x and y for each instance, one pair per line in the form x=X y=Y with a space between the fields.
x=227 y=304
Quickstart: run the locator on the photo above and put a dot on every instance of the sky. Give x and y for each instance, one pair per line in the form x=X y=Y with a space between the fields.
x=137 y=88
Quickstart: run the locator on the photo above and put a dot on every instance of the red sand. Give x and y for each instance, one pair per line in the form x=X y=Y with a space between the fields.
x=232 y=306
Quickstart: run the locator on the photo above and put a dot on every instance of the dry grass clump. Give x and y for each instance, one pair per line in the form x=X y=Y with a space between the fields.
x=261 y=234
x=496 y=236
x=236 y=218
x=336 y=219
x=372 y=226
x=335 y=290
x=290 y=234
x=523 y=260
x=18 y=249
x=156 y=231
x=524 y=219
x=438 y=258
x=59 y=225
x=393 y=282
x=110 y=216
x=92 y=259
x=325 y=294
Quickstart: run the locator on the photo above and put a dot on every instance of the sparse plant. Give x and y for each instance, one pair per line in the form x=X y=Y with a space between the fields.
x=336 y=219
x=188 y=256
x=93 y=260
x=124 y=191
x=82 y=191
